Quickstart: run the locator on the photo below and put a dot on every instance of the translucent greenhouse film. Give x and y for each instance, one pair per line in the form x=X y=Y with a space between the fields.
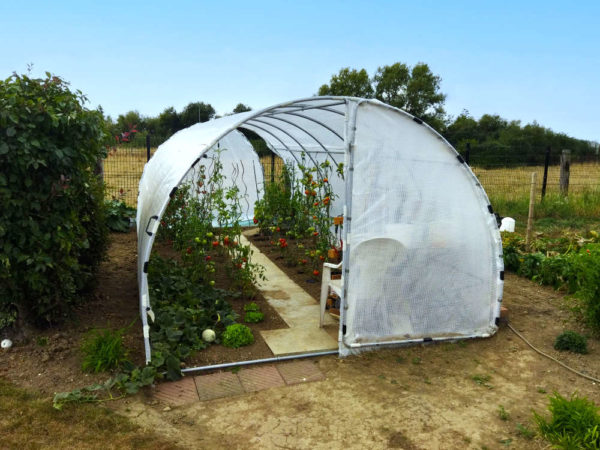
x=422 y=252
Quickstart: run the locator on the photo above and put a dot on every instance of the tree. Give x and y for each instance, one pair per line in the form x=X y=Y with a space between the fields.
x=240 y=108
x=416 y=90
x=350 y=82
x=196 y=112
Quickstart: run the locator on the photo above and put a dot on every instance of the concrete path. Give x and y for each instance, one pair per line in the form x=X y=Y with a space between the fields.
x=296 y=307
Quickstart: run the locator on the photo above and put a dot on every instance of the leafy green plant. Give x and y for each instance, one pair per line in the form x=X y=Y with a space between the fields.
x=103 y=350
x=252 y=306
x=503 y=413
x=237 y=335
x=254 y=317
x=52 y=227
x=573 y=423
x=118 y=216
x=571 y=341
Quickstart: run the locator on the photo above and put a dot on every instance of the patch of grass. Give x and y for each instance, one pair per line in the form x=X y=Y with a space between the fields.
x=400 y=359
x=525 y=432
x=573 y=423
x=571 y=341
x=103 y=350
x=416 y=360
x=503 y=413
x=27 y=420
x=41 y=341
x=482 y=380
x=541 y=390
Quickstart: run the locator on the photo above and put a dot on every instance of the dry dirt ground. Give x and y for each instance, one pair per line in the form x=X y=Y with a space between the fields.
x=425 y=397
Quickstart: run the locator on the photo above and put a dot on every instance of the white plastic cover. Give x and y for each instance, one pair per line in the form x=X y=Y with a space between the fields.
x=423 y=252
x=423 y=246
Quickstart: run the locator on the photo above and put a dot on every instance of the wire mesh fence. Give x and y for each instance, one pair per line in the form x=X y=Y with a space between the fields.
x=503 y=181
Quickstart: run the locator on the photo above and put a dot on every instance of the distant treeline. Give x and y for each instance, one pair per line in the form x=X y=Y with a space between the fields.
x=494 y=141
x=499 y=142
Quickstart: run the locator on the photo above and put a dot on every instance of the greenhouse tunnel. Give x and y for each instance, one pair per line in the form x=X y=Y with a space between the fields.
x=422 y=256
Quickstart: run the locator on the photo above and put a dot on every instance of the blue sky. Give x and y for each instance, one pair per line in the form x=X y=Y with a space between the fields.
x=526 y=60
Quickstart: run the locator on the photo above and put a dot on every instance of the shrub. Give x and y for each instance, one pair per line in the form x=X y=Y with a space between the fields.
x=237 y=335
x=254 y=317
x=573 y=423
x=103 y=350
x=52 y=226
x=571 y=341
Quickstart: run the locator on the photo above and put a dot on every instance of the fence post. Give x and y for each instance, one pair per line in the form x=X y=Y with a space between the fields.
x=546 y=164
x=565 y=168
x=530 y=215
x=147 y=147
x=468 y=153
x=272 y=167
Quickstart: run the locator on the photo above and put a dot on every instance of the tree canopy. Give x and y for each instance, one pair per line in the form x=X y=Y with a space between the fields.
x=413 y=89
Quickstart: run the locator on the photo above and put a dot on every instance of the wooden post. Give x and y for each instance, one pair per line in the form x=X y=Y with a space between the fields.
x=565 y=167
x=530 y=216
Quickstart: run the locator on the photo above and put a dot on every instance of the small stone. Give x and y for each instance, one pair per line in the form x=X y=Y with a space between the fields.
x=167 y=408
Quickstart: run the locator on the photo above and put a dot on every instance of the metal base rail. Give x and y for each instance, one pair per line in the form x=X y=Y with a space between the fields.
x=259 y=361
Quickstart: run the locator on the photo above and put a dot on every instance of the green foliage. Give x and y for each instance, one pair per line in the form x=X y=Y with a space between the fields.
x=118 y=215
x=414 y=89
x=498 y=142
x=573 y=423
x=350 y=82
x=237 y=335
x=177 y=329
x=254 y=317
x=571 y=341
x=503 y=413
x=103 y=350
x=251 y=307
x=571 y=262
x=52 y=225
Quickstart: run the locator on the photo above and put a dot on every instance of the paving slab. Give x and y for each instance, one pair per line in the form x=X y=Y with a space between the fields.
x=288 y=341
x=298 y=309
x=177 y=392
x=260 y=378
x=217 y=385
x=297 y=372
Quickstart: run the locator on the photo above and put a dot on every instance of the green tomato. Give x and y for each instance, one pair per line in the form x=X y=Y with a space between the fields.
x=204 y=241
x=211 y=282
x=197 y=239
x=209 y=234
x=317 y=252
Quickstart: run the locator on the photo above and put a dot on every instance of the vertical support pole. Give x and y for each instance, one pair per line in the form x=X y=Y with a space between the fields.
x=272 y=167
x=468 y=153
x=530 y=216
x=546 y=164
x=565 y=168
x=147 y=147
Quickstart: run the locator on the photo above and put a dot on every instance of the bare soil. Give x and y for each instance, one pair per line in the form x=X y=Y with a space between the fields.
x=419 y=397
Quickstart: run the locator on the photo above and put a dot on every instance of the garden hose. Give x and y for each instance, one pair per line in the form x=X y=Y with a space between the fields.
x=596 y=380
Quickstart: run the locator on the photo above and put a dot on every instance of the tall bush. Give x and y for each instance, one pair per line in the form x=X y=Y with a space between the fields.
x=52 y=227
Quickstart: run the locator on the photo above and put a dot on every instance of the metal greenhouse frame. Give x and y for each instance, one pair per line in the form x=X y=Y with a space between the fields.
x=422 y=256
